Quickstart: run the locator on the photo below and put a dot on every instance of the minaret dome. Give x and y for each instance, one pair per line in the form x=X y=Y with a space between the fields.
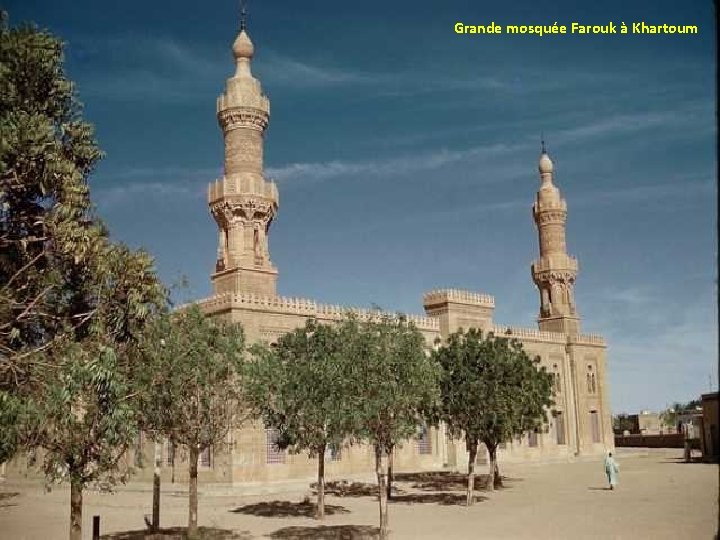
x=545 y=165
x=243 y=47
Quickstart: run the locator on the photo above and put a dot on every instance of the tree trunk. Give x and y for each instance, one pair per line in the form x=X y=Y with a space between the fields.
x=492 y=452
x=380 y=469
x=391 y=456
x=321 y=484
x=75 y=510
x=156 y=488
x=497 y=478
x=473 y=446
x=192 y=517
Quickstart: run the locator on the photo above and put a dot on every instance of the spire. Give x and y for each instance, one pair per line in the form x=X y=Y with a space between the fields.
x=243 y=15
x=545 y=165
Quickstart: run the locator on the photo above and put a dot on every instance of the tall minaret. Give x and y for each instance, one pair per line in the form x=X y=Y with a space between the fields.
x=555 y=271
x=243 y=202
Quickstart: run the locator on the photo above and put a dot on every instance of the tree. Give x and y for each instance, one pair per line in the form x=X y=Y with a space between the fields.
x=299 y=389
x=189 y=386
x=491 y=392
x=72 y=303
x=462 y=397
x=46 y=224
x=84 y=423
x=392 y=381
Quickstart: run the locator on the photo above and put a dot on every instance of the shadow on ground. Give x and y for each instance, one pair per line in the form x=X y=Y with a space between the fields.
x=438 y=481
x=692 y=460
x=343 y=488
x=448 y=481
x=287 y=509
x=446 y=499
x=5 y=496
x=179 y=533
x=333 y=532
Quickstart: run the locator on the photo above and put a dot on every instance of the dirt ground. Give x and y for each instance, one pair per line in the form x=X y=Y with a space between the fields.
x=658 y=497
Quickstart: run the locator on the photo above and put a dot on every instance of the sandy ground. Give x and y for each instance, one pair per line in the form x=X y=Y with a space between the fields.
x=658 y=497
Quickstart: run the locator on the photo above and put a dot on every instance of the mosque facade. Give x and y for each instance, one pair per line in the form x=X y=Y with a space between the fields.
x=244 y=204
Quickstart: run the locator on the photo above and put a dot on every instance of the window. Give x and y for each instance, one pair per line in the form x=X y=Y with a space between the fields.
x=557 y=382
x=274 y=454
x=595 y=426
x=424 y=444
x=206 y=457
x=559 y=427
x=590 y=377
x=532 y=439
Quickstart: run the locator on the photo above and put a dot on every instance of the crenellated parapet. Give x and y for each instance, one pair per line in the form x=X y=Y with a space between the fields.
x=588 y=339
x=458 y=296
x=528 y=334
x=304 y=307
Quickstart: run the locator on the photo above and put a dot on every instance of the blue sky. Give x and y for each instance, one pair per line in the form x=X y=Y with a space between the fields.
x=406 y=156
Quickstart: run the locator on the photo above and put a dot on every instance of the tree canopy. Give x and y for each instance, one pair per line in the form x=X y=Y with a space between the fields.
x=189 y=384
x=300 y=387
x=491 y=392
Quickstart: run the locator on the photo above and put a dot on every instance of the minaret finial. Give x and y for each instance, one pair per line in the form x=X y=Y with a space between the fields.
x=243 y=15
x=542 y=143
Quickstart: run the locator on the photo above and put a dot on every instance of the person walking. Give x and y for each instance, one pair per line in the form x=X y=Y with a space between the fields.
x=611 y=470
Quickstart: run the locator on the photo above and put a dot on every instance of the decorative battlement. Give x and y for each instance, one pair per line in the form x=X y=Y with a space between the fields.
x=588 y=339
x=528 y=333
x=458 y=296
x=550 y=337
x=223 y=188
x=304 y=307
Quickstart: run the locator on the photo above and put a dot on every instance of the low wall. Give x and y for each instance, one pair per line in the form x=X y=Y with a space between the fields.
x=667 y=440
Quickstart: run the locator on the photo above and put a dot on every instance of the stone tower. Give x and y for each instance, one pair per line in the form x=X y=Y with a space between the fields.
x=555 y=271
x=243 y=202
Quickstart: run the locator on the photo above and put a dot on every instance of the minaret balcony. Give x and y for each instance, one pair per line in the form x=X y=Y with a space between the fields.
x=556 y=262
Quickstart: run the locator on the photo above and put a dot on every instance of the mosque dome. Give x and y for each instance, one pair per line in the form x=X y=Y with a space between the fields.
x=243 y=47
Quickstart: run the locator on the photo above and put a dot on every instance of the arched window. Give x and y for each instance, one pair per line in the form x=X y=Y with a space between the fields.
x=590 y=377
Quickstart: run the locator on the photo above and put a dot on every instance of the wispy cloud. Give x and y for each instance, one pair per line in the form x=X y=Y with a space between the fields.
x=122 y=187
x=320 y=171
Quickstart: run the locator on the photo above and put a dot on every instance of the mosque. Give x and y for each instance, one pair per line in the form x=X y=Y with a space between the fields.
x=244 y=203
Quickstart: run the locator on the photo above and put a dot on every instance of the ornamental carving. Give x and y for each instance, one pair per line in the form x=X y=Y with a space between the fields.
x=550 y=216
x=245 y=210
x=230 y=119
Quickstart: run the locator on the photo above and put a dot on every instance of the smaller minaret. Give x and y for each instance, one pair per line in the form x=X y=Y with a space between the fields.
x=555 y=271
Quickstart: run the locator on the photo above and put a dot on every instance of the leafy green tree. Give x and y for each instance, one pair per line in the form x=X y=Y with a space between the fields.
x=392 y=382
x=84 y=423
x=189 y=387
x=299 y=388
x=72 y=303
x=47 y=230
x=491 y=392
x=461 y=382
